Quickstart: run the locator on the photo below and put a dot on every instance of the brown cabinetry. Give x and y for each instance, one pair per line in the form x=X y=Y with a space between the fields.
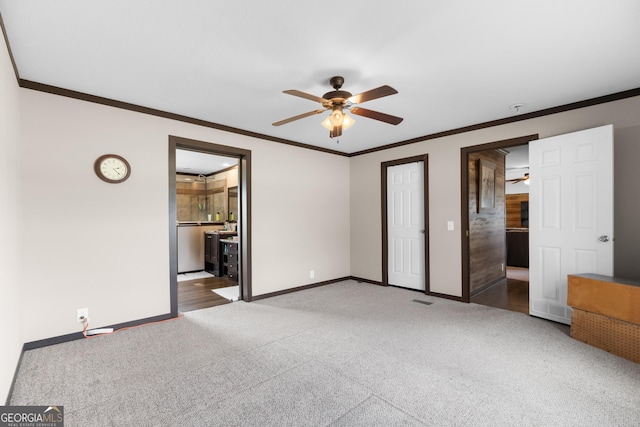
x=211 y=253
x=230 y=260
x=518 y=248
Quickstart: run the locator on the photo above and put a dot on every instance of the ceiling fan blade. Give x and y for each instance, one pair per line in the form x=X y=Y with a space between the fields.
x=298 y=117
x=516 y=180
x=387 y=118
x=376 y=93
x=305 y=95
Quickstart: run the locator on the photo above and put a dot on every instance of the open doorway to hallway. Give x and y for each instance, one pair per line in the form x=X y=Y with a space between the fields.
x=512 y=292
x=495 y=245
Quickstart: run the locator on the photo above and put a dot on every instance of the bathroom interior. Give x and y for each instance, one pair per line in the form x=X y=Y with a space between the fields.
x=207 y=208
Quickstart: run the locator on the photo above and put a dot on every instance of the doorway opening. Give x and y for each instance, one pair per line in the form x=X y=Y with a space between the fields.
x=207 y=208
x=405 y=223
x=209 y=224
x=494 y=236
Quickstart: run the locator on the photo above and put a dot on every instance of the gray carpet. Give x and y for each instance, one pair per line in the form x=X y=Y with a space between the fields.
x=346 y=354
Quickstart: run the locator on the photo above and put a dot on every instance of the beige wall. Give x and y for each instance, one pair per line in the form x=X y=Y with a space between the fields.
x=11 y=339
x=444 y=187
x=626 y=202
x=112 y=254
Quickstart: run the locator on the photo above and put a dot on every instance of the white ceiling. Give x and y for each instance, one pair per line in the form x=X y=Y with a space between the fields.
x=517 y=161
x=454 y=63
x=195 y=163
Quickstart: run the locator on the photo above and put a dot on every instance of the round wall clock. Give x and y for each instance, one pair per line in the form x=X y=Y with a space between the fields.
x=112 y=168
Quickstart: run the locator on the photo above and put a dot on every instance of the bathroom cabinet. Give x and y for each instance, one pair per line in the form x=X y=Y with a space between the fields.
x=211 y=253
x=220 y=254
x=230 y=261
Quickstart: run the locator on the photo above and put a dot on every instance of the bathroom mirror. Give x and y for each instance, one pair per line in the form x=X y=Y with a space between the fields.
x=233 y=204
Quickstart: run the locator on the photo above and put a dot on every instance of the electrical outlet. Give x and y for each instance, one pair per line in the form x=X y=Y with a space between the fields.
x=312 y=274
x=502 y=266
x=83 y=313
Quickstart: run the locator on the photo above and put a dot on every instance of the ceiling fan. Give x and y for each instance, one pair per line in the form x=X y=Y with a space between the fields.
x=525 y=178
x=340 y=100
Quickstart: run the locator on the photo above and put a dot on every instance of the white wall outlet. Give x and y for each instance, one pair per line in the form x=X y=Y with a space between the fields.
x=502 y=266
x=83 y=313
x=450 y=225
x=312 y=274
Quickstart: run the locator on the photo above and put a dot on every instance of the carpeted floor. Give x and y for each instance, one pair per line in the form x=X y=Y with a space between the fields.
x=346 y=354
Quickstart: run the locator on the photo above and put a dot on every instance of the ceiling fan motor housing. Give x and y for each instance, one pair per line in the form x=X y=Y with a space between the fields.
x=337 y=95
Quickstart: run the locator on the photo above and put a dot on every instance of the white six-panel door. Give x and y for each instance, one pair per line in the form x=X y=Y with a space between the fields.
x=405 y=227
x=570 y=215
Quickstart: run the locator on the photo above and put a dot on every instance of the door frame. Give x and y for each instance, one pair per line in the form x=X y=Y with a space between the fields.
x=244 y=189
x=464 y=200
x=385 y=233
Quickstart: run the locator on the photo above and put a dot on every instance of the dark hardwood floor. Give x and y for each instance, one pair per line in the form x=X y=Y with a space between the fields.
x=512 y=294
x=196 y=294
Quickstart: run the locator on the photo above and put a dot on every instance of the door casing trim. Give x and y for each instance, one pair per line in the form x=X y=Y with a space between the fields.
x=244 y=185
x=384 y=227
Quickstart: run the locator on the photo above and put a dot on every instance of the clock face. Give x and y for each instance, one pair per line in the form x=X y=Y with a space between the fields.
x=112 y=168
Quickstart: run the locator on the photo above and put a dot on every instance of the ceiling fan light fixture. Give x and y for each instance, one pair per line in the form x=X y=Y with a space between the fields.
x=327 y=123
x=347 y=122
x=336 y=117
